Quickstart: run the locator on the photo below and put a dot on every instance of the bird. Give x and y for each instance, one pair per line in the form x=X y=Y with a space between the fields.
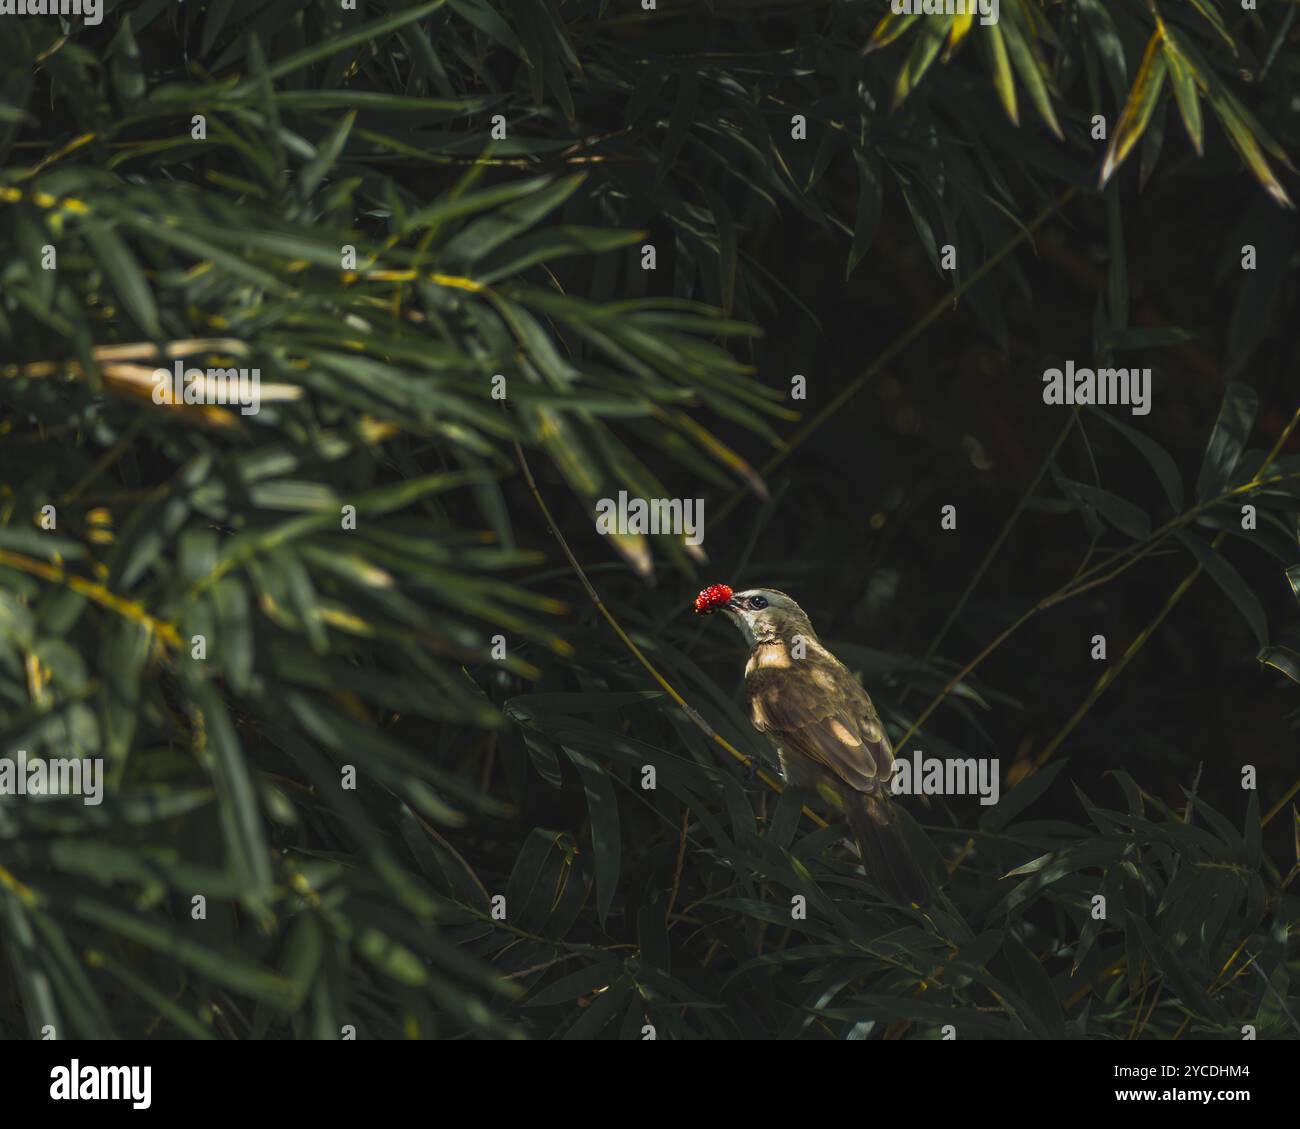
x=828 y=735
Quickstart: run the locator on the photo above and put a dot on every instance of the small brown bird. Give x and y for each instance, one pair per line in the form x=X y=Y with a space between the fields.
x=829 y=738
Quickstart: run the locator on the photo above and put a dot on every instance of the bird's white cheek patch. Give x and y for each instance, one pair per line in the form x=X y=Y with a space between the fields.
x=742 y=624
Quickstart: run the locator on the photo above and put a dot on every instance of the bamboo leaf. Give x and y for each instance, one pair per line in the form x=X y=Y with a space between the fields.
x=889 y=29
x=925 y=49
x=1230 y=580
x=1003 y=80
x=123 y=273
x=1137 y=111
x=1032 y=70
x=1183 y=79
x=1228 y=439
x=1246 y=142
x=606 y=839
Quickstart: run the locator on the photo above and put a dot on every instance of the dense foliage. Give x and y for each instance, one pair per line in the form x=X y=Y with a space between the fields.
x=494 y=676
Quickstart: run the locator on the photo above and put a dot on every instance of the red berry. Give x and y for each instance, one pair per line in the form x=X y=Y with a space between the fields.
x=712 y=598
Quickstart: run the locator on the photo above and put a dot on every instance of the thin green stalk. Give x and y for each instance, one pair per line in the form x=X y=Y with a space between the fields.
x=1002 y=536
x=942 y=306
x=1112 y=673
x=1108 y=676
x=1089 y=580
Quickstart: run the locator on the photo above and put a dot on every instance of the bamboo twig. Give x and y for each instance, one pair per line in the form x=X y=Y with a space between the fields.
x=1098 y=574
x=942 y=306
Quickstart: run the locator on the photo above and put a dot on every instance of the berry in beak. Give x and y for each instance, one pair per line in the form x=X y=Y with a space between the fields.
x=715 y=596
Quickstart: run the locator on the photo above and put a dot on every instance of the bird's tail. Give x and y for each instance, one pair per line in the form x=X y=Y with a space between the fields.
x=884 y=852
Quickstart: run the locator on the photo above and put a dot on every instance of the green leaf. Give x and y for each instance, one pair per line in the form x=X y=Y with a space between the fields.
x=1044 y=1011
x=315 y=170
x=679 y=124
x=333 y=44
x=549 y=244
x=240 y=818
x=485 y=235
x=1122 y=514
x=1271 y=231
x=598 y=1014
x=1228 y=439
x=1109 y=44
x=575 y=984
x=124 y=52
x=232 y=969
x=1160 y=460
x=33 y=980
x=214 y=22
x=1246 y=140
x=726 y=235
x=158 y=1001
x=1210 y=11
x=1000 y=815
x=1293 y=578
x=1137 y=111
x=123 y=274
x=890 y=28
x=925 y=49
x=606 y=837
x=391 y=957
x=487 y=20
x=1031 y=68
x=1003 y=80
x=866 y=222
x=1230 y=580
x=1285 y=660
x=1182 y=78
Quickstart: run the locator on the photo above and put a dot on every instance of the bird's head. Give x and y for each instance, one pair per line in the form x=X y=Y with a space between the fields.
x=760 y=614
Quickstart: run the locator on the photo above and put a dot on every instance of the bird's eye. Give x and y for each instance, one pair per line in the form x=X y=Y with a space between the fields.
x=758 y=602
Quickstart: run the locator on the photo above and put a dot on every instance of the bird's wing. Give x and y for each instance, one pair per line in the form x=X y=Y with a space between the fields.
x=820 y=711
